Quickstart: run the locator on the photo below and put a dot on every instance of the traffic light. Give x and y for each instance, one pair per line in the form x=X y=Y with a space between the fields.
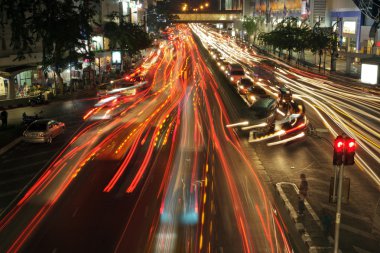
x=338 y=150
x=349 y=154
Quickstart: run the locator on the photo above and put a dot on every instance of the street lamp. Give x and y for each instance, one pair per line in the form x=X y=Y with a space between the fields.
x=334 y=52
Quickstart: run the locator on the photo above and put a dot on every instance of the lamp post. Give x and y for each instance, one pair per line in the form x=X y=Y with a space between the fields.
x=334 y=48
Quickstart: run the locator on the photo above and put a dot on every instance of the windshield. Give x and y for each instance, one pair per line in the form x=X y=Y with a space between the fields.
x=246 y=82
x=237 y=73
x=257 y=90
x=37 y=126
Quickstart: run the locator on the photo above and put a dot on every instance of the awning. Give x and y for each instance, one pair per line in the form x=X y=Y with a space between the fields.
x=14 y=70
x=5 y=74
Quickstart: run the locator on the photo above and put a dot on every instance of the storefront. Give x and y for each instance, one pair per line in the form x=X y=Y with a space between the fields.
x=348 y=26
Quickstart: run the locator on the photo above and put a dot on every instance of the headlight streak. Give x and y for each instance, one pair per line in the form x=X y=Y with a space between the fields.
x=340 y=103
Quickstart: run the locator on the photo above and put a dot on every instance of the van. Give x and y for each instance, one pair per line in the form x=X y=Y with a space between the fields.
x=235 y=73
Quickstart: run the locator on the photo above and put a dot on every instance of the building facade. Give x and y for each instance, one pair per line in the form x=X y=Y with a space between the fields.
x=26 y=75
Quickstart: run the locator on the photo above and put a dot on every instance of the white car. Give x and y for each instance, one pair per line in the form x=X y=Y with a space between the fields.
x=43 y=131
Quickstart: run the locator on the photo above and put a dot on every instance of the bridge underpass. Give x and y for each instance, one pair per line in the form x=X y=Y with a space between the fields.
x=208 y=17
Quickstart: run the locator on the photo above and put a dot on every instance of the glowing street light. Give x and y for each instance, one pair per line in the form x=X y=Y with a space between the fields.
x=201 y=7
x=206 y=4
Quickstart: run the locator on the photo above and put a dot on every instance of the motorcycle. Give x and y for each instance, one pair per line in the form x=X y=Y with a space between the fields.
x=27 y=120
x=39 y=100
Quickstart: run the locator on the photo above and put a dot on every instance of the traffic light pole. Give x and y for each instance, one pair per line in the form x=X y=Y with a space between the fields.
x=338 y=210
x=336 y=171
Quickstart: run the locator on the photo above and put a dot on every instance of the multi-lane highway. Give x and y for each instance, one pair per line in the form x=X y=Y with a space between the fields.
x=338 y=107
x=157 y=172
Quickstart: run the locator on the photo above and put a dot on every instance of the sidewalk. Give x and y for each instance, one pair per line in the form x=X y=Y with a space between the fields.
x=332 y=76
x=313 y=233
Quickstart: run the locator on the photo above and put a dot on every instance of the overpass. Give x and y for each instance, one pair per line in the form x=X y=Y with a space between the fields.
x=207 y=17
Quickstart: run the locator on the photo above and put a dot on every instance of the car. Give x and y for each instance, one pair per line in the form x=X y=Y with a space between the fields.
x=223 y=66
x=264 y=107
x=243 y=85
x=43 y=131
x=102 y=90
x=255 y=93
x=235 y=73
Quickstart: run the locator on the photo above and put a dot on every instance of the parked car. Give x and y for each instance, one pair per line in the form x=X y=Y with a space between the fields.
x=255 y=93
x=43 y=130
x=243 y=85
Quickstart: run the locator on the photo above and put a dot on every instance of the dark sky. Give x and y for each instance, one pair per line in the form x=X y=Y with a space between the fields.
x=213 y=4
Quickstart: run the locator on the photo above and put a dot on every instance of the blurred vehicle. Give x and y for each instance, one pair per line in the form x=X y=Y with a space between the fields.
x=255 y=93
x=102 y=90
x=243 y=85
x=39 y=100
x=43 y=130
x=235 y=72
x=223 y=66
x=264 y=107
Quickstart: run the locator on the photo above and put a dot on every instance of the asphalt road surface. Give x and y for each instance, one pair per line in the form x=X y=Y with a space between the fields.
x=336 y=107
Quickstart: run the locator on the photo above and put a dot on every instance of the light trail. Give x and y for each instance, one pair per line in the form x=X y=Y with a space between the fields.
x=348 y=109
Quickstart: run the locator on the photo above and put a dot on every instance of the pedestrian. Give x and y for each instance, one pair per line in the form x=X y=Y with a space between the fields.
x=326 y=222
x=4 y=119
x=303 y=188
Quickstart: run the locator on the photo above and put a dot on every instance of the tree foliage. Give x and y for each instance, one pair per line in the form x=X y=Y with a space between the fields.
x=292 y=35
x=62 y=27
x=252 y=26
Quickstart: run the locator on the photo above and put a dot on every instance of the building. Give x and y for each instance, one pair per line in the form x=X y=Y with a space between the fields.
x=27 y=74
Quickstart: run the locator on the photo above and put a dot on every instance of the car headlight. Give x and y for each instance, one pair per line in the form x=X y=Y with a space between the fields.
x=253 y=98
x=241 y=86
x=231 y=78
x=41 y=135
x=222 y=67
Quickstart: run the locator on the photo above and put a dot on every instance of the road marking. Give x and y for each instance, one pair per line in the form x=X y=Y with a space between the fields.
x=347 y=213
x=7 y=194
x=4 y=182
x=22 y=167
x=28 y=156
x=75 y=212
x=357 y=231
x=360 y=250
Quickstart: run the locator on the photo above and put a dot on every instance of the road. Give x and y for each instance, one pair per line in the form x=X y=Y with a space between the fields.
x=334 y=106
x=162 y=175
x=21 y=163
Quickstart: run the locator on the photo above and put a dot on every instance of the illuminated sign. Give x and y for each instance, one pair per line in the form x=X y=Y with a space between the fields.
x=116 y=57
x=349 y=27
x=369 y=73
x=97 y=43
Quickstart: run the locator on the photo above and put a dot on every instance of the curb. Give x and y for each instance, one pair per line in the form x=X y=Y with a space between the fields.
x=7 y=147
x=299 y=226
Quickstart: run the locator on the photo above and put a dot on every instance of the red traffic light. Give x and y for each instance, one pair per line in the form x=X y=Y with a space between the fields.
x=339 y=144
x=344 y=151
x=350 y=145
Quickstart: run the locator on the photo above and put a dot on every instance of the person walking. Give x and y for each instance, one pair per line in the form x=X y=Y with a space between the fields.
x=303 y=188
x=4 y=119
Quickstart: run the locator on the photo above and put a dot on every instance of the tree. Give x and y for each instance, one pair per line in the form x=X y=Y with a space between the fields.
x=318 y=42
x=252 y=26
x=62 y=27
x=128 y=37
